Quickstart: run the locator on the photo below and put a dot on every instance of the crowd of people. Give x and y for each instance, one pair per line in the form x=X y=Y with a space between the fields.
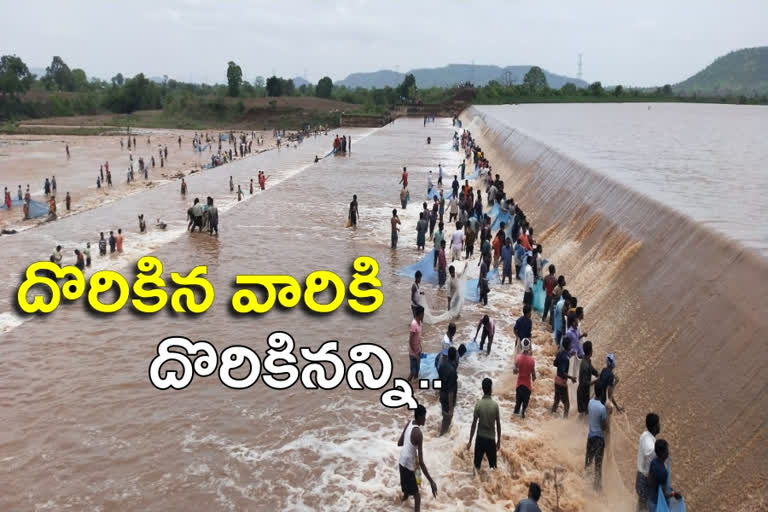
x=513 y=246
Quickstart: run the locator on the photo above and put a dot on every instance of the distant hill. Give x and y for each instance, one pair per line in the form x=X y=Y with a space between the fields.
x=740 y=72
x=299 y=81
x=453 y=74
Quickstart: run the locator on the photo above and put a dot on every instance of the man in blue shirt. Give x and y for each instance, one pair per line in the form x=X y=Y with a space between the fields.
x=523 y=326
x=598 y=424
x=530 y=504
x=658 y=476
x=507 y=253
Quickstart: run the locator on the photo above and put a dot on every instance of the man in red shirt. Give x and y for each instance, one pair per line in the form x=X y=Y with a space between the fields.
x=404 y=179
x=525 y=368
x=549 y=284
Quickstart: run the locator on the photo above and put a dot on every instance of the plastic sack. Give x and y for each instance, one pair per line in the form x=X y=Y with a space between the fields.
x=539 y=294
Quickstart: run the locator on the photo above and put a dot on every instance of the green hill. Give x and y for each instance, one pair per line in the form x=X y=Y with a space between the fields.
x=743 y=72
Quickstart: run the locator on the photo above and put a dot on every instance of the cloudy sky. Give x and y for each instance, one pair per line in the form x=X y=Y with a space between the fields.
x=632 y=43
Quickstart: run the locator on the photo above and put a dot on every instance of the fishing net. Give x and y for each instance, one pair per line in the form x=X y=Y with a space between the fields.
x=427 y=368
x=425 y=265
x=36 y=208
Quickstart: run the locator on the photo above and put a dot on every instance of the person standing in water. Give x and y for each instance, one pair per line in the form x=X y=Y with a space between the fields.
x=417 y=296
x=53 y=185
x=525 y=368
x=183 y=187
x=598 y=425
x=414 y=344
x=213 y=218
x=102 y=245
x=404 y=197
x=112 y=242
x=448 y=387
x=395 y=221
x=586 y=372
x=487 y=421
x=404 y=178
x=645 y=454
x=412 y=458
x=441 y=264
x=67 y=148
x=231 y=185
x=79 y=260
x=353 y=211
x=68 y=201
x=119 y=240
x=421 y=231
x=562 y=361
x=239 y=193
x=608 y=381
x=57 y=256
x=658 y=476
x=87 y=254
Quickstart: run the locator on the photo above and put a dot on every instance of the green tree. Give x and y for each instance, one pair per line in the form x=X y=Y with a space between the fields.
x=79 y=80
x=58 y=75
x=569 y=89
x=324 y=87
x=596 y=89
x=15 y=77
x=234 y=79
x=618 y=91
x=667 y=90
x=407 y=89
x=288 y=87
x=274 y=86
x=535 y=79
x=118 y=79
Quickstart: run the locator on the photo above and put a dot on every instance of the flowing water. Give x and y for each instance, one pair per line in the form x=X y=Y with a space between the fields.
x=705 y=161
x=84 y=429
x=625 y=199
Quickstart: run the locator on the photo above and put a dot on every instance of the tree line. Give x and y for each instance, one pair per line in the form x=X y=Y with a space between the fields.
x=63 y=91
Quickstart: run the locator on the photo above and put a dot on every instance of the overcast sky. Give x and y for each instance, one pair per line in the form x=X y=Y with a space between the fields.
x=650 y=42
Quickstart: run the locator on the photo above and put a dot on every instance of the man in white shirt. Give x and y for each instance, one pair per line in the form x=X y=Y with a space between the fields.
x=645 y=454
x=528 y=282
x=453 y=286
x=491 y=194
x=457 y=243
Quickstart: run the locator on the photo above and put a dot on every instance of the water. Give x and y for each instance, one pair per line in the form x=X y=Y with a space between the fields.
x=85 y=429
x=673 y=298
x=706 y=161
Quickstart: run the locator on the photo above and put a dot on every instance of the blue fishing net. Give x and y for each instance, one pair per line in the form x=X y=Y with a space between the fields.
x=36 y=208
x=434 y=192
x=427 y=369
x=426 y=265
x=473 y=292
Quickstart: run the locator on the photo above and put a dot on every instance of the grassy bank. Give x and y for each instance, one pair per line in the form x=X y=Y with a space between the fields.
x=21 y=129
